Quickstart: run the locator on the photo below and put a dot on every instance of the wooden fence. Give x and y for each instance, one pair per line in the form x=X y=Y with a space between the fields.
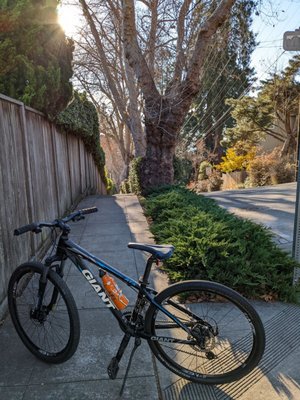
x=233 y=180
x=44 y=173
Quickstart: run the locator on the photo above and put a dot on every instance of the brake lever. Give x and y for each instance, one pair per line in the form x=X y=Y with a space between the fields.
x=78 y=218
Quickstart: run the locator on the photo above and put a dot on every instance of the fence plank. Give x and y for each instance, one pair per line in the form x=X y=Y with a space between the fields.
x=43 y=172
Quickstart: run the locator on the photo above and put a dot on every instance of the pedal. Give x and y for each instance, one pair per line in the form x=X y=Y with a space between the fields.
x=113 y=368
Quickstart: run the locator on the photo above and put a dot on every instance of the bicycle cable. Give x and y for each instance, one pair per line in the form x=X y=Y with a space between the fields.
x=53 y=240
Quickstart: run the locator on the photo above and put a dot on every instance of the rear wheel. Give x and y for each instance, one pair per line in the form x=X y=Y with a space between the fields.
x=222 y=338
x=50 y=331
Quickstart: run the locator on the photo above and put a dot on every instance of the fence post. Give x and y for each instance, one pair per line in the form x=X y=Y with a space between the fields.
x=29 y=194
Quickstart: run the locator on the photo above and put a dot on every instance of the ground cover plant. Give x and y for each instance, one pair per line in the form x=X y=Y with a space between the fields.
x=213 y=244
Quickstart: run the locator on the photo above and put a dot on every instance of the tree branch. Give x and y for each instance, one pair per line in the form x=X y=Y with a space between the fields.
x=103 y=57
x=191 y=83
x=180 y=57
x=134 y=54
x=152 y=36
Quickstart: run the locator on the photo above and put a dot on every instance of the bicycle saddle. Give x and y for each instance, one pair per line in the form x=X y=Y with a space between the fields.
x=162 y=252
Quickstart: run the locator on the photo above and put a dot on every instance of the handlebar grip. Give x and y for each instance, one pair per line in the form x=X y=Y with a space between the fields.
x=25 y=228
x=89 y=210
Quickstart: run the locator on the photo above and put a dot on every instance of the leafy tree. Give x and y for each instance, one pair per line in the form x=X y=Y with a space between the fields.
x=273 y=112
x=226 y=75
x=35 y=56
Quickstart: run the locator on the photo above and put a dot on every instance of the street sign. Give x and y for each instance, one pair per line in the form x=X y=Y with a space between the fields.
x=291 y=40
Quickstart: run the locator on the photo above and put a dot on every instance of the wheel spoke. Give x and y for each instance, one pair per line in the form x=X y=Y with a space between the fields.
x=47 y=329
x=221 y=328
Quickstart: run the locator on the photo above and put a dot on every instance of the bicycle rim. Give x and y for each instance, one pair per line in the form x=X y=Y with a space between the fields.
x=48 y=335
x=227 y=339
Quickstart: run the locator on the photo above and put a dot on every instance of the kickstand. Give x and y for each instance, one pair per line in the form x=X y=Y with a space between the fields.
x=137 y=343
x=113 y=367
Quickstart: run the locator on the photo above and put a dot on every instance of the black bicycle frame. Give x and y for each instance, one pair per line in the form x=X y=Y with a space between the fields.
x=66 y=248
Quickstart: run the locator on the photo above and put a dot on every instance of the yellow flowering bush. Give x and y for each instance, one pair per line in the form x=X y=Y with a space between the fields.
x=237 y=158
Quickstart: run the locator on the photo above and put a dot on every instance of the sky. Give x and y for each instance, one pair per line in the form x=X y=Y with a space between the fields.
x=267 y=56
x=270 y=35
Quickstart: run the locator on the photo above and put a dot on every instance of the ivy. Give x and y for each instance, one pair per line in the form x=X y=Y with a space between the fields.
x=80 y=118
x=133 y=184
x=182 y=173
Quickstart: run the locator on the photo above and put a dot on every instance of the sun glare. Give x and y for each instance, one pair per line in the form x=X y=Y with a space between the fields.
x=69 y=19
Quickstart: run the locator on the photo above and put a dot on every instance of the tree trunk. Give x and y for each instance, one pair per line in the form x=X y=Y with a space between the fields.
x=157 y=166
x=217 y=150
x=290 y=143
x=134 y=119
x=289 y=146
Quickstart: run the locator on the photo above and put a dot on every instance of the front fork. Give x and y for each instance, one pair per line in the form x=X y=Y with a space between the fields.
x=43 y=282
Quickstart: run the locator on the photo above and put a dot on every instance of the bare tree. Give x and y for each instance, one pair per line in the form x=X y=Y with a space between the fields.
x=183 y=30
x=104 y=72
x=116 y=141
x=150 y=55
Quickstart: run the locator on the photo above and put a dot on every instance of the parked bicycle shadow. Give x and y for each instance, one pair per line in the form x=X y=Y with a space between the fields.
x=261 y=384
x=196 y=391
x=285 y=386
x=276 y=377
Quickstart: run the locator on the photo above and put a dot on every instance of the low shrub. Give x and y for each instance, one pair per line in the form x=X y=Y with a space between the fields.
x=134 y=176
x=212 y=183
x=270 y=169
x=215 y=181
x=125 y=187
x=210 y=243
x=132 y=183
x=110 y=186
x=202 y=172
x=183 y=169
x=237 y=157
x=202 y=186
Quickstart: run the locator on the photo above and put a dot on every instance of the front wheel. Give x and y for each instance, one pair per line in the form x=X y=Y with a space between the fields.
x=50 y=330
x=217 y=336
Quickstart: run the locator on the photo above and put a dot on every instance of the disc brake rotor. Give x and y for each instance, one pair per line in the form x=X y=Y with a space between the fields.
x=205 y=335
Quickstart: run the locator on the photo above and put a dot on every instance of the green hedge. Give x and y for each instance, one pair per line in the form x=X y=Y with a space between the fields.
x=213 y=244
x=80 y=118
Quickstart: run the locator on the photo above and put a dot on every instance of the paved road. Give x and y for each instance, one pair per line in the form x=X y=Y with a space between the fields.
x=272 y=206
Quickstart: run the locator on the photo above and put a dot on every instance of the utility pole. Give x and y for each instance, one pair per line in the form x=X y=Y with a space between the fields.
x=291 y=42
x=296 y=235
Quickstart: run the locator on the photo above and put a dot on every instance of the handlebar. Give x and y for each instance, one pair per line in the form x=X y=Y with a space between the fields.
x=26 y=228
x=58 y=223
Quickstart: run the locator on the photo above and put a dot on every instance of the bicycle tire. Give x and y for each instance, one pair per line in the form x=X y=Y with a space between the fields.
x=55 y=336
x=228 y=352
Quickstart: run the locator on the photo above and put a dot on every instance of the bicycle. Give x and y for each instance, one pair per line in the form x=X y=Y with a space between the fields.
x=202 y=331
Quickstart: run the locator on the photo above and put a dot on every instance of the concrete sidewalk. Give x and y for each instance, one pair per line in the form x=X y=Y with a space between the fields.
x=120 y=219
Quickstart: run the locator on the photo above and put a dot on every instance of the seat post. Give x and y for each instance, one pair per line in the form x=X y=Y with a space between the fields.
x=145 y=277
